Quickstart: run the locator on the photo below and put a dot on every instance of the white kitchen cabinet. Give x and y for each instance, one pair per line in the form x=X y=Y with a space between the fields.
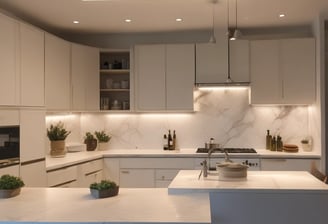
x=90 y=172
x=9 y=70
x=163 y=177
x=31 y=66
x=57 y=73
x=164 y=77
x=66 y=176
x=85 y=78
x=33 y=173
x=137 y=178
x=281 y=164
x=11 y=170
x=283 y=71
x=32 y=134
x=239 y=61
x=111 y=169
x=211 y=63
x=151 y=172
x=116 y=80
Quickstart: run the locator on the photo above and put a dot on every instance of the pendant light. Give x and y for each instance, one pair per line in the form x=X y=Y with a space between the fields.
x=237 y=33
x=212 y=38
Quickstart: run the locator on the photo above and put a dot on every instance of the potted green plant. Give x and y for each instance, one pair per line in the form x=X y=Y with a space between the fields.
x=57 y=135
x=104 y=189
x=103 y=139
x=90 y=141
x=10 y=186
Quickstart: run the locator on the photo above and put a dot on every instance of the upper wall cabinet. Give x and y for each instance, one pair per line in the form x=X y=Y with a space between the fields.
x=85 y=78
x=57 y=73
x=239 y=61
x=9 y=78
x=116 y=90
x=164 y=77
x=283 y=71
x=32 y=65
x=211 y=63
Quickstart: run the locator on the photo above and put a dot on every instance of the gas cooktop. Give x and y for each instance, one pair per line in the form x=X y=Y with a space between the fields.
x=228 y=150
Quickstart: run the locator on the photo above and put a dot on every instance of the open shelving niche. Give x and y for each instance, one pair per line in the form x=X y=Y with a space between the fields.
x=116 y=83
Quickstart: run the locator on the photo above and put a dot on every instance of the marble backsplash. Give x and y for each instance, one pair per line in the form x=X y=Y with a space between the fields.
x=224 y=114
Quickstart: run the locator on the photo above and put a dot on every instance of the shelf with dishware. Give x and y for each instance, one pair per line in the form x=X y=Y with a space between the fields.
x=114 y=80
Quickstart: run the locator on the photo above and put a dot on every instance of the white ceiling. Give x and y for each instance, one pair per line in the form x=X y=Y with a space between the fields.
x=107 y=16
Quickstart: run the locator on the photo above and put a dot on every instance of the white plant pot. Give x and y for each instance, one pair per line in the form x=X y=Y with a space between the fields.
x=103 y=146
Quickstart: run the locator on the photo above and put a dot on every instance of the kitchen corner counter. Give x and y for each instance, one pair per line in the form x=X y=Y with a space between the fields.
x=76 y=205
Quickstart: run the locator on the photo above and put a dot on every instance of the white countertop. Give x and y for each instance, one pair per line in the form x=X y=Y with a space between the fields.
x=78 y=157
x=76 y=205
x=187 y=181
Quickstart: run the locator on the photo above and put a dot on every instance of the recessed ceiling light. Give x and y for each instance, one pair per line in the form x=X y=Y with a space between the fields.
x=76 y=21
x=281 y=15
x=128 y=20
x=178 y=19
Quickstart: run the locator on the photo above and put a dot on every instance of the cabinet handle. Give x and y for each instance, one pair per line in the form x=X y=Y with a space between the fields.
x=125 y=171
x=278 y=160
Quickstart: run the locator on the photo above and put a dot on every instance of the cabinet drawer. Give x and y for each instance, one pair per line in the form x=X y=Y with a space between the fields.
x=162 y=183
x=92 y=177
x=62 y=176
x=137 y=178
x=165 y=174
x=170 y=163
x=92 y=166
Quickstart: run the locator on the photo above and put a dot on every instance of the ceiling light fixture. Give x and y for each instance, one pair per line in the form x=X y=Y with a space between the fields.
x=237 y=33
x=128 y=20
x=76 y=21
x=281 y=15
x=178 y=19
x=212 y=38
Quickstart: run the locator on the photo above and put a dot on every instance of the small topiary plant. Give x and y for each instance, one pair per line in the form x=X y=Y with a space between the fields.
x=104 y=184
x=57 y=132
x=8 y=182
x=102 y=136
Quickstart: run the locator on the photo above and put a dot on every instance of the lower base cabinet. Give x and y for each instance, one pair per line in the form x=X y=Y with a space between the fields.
x=33 y=173
x=79 y=175
x=137 y=178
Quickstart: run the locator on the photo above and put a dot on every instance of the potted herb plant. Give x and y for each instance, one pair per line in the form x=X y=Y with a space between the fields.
x=104 y=189
x=57 y=135
x=10 y=186
x=103 y=139
x=90 y=141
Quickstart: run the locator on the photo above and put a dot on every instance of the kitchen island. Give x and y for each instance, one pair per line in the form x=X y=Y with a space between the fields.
x=268 y=197
x=76 y=205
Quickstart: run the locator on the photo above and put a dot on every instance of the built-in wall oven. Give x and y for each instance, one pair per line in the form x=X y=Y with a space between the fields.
x=9 y=145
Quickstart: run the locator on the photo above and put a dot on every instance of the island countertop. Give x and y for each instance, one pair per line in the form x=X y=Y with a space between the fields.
x=187 y=181
x=76 y=205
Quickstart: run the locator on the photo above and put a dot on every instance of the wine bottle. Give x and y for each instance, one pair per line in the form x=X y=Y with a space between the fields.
x=165 y=142
x=174 y=141
x=170 y=141
x=268 y=140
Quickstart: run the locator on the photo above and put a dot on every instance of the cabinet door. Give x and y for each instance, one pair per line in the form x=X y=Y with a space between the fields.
x=85 y=79
x=32 y=65
x=180 y=75
x=57 y=73
x=9 y=88
x=34 y=174
x=150 y=75
x=137 y=178
x=239 y=60
x=32 y=134
x=298 y=70
x=266 y=86
x=211 y=63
